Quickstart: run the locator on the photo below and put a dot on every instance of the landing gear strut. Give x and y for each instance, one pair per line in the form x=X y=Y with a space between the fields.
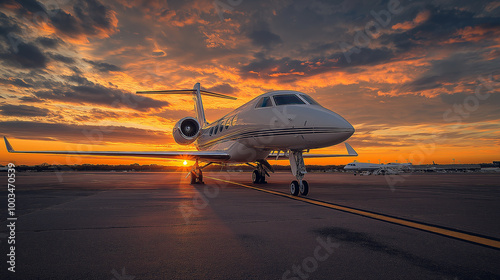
x=259 y=175
x=299 y=171
x=197 y=174
x=260 y=172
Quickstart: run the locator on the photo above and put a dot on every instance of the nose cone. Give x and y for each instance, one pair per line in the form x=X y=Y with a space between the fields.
x=330 y=128
x=345 y=129
x=333 y=120
x=346 y=126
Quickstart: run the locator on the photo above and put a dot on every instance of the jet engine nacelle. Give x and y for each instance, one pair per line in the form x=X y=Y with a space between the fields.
x=186 y=130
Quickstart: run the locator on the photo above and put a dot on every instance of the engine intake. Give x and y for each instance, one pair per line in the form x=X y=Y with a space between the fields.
x=186 y=131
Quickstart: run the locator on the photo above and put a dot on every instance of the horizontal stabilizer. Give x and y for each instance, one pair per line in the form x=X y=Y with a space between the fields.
x=350 y=150
x=9 y=147
x=187 y=91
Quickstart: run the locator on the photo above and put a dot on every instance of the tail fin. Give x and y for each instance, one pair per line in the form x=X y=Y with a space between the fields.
x=198 y=104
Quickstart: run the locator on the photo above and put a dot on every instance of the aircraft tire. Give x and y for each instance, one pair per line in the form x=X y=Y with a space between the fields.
x=256 y=178
x=193 y=178
x=200 y=178
x=294 y=188
x=262 y=179
x=304 y=188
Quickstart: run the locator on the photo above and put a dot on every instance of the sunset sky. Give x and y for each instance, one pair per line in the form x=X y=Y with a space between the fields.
x=419 y=81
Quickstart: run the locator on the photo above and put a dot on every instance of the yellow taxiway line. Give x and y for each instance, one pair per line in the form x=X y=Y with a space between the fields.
x=469 y=237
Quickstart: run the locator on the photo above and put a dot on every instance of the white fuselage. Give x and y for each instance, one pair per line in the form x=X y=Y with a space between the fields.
x=251 y=132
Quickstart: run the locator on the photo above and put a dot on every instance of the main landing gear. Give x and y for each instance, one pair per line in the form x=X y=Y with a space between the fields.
x=299 y=171
x=260 y=172
x=197 y=174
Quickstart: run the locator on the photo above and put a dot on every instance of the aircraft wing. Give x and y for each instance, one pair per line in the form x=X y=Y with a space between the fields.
x=186 y=155
x=350 y=153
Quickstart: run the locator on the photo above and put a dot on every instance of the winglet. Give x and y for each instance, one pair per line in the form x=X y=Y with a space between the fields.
x=350 y=150
x=9 y=147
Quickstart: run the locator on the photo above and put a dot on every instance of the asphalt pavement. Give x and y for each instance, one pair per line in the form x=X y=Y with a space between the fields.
x=113 y=225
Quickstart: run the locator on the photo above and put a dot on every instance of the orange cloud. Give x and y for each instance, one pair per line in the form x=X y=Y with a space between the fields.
x=419 y=19
x=474 y=34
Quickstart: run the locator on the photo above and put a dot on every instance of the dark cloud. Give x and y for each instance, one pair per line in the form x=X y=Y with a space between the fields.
x=80 y=90
x=32 y=6
x=222 y=88
x=464 y=66
x=263 y=37
x=30 y=98
x=88 y=18
x=15 y=82
x=98 y=114
x=311 y=33
x=93 y=15
x=103 y=66
x=443 y=23
x=25 y=55
x=62 y=58
x=22 y=111
x=289 y=69
x=66 y=23
x=7 y=26
x=467 y=107
x=87 y=134
x=50 y=43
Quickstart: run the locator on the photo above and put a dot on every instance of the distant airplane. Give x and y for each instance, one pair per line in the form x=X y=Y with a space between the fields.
x=373 y=168
x=275 y=125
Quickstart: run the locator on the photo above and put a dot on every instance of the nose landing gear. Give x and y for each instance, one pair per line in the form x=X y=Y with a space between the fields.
x=299 y=171
x=296 y=188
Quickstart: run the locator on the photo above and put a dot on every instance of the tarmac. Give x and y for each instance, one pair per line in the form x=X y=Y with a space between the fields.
x=114 y=225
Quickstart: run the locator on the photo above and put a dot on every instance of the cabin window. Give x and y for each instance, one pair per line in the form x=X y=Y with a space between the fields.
x=309 y=99
x=216 y=129
x=211 y=131
x=287 y=99
x=264 y=102
x=233 y=120
x=228 y=122
x=221 y=126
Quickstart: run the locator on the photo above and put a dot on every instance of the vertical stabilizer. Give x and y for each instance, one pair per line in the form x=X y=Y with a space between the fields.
x=198 y=105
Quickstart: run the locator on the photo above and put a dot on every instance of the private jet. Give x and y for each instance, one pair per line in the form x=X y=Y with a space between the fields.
x=366 y=168
x=276 y=125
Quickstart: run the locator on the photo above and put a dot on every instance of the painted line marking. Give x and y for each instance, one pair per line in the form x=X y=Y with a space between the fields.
x=469 y=237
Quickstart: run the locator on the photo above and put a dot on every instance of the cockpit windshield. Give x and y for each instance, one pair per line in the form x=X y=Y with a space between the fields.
x=309 y=99
x=264 y=102
x=287 y=99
